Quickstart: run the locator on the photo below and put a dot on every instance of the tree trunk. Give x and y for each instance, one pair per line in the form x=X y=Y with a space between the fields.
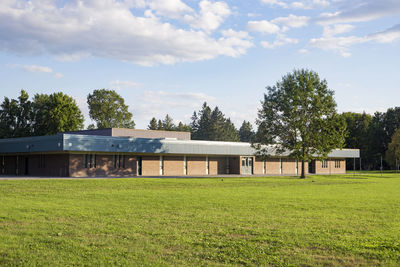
x=303 y=175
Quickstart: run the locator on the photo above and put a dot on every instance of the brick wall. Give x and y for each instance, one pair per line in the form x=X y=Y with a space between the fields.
x=332 y=167
x=151 y=165
x=104 y=166
x=288 y=166
x=259 y=166
x=217 y=165
x=196 y=165
x=273 y=166
x=173 y=165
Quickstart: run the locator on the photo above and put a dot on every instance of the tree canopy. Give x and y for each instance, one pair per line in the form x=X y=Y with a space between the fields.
x=392 y=155
x=108 y=109
x=212 y=125
x=298 y=115
x=55 y=113
x=44 y=115
x=246 y=132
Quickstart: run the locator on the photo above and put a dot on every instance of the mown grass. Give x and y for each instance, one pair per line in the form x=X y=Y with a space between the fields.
x=322 y=220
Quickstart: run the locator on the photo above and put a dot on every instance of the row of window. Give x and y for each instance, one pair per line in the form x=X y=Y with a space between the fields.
x=89 y=161
x=325 y=164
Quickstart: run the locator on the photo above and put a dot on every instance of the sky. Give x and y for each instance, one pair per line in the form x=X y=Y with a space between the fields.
x=169 y=56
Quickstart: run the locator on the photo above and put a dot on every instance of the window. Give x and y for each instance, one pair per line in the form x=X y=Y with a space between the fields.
x=119 y=161
x=337 y=163
x=89 y=160
x=324 y=164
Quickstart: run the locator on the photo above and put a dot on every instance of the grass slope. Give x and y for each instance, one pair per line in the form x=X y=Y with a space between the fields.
x=322 y=220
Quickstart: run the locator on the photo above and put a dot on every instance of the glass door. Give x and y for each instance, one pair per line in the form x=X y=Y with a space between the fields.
x=247 y=165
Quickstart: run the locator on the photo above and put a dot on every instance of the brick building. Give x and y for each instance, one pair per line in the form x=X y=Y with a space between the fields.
x=127 y=152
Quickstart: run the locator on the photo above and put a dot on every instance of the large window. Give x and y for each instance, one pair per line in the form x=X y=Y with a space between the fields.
x=119 y=161
x=89 y=161
x=337 y=163
x=324 y=164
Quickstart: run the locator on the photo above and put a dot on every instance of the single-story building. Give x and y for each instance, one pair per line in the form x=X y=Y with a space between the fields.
x=126 y=152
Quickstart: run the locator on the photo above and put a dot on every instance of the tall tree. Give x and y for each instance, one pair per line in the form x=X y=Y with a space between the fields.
x=298 y=114
x=16 y=116
x=152 y=124
x=246 y=132
x=182 y=127
x=357 y=127
x=168 y=123
x=107 y=108
x=392 y=155
x=212 y=125
x=55 y=113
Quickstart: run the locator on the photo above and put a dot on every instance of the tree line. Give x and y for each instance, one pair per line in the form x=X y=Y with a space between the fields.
x=377 y=136
x=48 y=114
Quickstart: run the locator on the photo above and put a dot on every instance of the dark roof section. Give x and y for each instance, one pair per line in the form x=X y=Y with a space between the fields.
x=108 y=144
x=125 y=132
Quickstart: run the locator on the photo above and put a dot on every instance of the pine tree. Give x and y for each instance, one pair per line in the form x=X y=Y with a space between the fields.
x=246 y=132
x=168 y=124
x=152 y=124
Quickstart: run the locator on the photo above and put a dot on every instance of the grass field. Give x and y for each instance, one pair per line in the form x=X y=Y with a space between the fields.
x=322 y=220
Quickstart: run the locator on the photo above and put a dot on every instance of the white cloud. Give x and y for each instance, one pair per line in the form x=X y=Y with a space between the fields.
x=263 y=26
x=292 y=21
x=337 y=29
x=210 y=17
x=281 y=40
x=360 y=11
x=123 y=84
x=342 y=44
x=109 y=29
x=275 y=3
x=305 y=4
x=36 y=68
x=170 y=8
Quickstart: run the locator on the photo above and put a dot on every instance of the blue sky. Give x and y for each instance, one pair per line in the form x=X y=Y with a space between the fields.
x=169 y=56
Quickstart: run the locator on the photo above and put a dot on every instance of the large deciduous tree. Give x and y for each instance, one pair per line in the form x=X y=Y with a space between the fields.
x=299 y=116
x=55 y=113
x=108 y=109
x=392 y=155
x=16 y=116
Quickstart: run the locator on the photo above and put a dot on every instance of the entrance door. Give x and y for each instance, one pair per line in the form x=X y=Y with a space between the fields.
x=311 y=167
x=139 y=165
x=247 y=165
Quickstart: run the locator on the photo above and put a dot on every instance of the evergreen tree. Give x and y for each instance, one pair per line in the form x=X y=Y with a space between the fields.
x=168 y=124
x=182 y=127
x=246 y=132
x=212 y=125
x=159 y=125
x=153 y=124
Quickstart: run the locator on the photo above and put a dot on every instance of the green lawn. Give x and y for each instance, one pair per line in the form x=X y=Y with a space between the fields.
x=322 y=220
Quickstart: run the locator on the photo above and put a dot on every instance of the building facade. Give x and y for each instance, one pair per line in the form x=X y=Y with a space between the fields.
x=121 y=153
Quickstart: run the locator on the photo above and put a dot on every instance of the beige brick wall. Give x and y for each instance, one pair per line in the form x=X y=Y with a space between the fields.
x=151 y=165
x=196 y=165
x=259 y=166
x=288 y=166
x=331 y=169
x=217 y=165
x=104 y=166
x=173 y=165
x=273 y=166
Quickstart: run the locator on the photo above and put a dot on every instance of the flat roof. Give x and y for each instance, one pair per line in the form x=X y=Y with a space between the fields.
x=94 y=143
